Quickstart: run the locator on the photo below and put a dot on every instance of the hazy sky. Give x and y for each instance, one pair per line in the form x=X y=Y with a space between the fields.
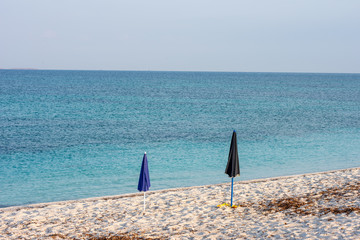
x=196 y=35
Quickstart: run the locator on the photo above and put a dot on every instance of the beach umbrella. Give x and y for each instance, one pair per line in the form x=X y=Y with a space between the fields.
x=144 y=179
x=233 y=167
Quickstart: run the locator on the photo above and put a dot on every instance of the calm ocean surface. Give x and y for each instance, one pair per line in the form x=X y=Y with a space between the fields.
x=77 y=134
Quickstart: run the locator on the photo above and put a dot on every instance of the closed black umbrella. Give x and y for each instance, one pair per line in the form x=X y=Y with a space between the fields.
x=233 y=166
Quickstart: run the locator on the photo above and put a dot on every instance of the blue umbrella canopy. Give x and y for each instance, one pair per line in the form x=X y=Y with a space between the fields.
x=144 y=179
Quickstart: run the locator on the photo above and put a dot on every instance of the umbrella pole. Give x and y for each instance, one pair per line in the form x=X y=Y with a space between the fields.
x=232 y=190
x=144 y=201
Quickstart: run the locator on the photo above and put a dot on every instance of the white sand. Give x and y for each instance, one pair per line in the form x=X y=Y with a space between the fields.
x=321 y=212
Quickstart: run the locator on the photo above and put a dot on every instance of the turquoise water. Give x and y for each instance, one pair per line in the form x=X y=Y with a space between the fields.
x=77 y=134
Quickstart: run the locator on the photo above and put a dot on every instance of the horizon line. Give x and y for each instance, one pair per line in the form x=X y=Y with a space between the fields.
x=215 y=71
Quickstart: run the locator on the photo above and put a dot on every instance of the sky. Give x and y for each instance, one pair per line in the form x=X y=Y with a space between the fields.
x=173 y=35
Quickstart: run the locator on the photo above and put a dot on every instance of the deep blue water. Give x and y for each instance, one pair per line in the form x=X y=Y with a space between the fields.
x=77 y=134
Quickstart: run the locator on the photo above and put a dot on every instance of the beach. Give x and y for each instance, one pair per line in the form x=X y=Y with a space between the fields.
x=311 y=206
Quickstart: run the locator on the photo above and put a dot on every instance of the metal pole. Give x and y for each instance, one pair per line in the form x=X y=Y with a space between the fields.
x=232 y=190
x=144 y=201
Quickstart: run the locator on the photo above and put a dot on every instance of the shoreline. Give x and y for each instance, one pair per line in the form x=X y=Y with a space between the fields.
x=311 y=205
x=34 y=205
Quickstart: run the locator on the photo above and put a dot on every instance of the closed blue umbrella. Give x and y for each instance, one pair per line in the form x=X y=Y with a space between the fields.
x=233 y=166
x=144 y=179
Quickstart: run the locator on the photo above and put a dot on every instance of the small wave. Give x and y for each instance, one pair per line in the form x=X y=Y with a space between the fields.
x=4 y=206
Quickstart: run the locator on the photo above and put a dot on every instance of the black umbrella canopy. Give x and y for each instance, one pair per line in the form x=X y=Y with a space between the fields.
x=233 y=166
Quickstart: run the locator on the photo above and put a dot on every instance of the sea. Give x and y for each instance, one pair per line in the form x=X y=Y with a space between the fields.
x=68 y=135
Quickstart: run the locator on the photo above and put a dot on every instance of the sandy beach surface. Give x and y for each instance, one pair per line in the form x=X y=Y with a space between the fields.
x=311 y=206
